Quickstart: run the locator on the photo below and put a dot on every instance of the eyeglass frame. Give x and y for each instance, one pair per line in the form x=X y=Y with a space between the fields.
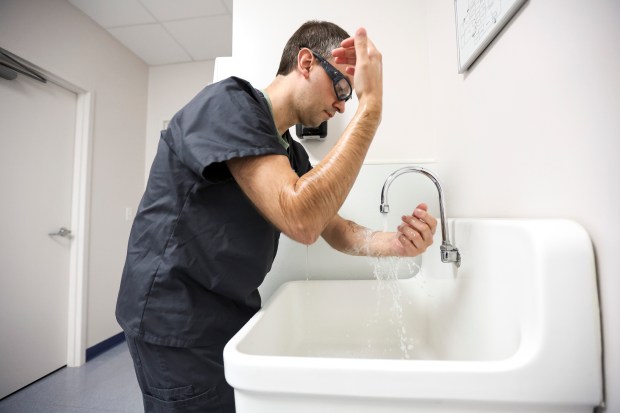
x=334 y=74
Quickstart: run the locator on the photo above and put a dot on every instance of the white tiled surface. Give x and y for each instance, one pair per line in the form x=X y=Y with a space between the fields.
x=166 y=31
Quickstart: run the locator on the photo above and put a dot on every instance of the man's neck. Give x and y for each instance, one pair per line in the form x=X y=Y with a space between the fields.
x=281 y=106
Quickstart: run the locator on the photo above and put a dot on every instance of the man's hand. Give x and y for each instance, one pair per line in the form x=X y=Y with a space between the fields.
x=364 y=63
x=415 y=233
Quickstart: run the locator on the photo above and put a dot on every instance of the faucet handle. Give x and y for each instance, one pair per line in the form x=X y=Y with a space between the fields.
x=449 y=253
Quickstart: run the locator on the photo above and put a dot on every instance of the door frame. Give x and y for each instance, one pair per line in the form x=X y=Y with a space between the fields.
x=80 y=218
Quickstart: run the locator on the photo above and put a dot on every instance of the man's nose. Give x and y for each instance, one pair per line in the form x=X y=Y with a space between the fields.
x=340 y=106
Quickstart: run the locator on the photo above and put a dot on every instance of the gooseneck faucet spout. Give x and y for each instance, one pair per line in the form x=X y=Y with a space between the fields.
x=449 y=253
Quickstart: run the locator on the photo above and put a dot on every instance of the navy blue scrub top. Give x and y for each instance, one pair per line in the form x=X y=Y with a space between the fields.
x=198 y=248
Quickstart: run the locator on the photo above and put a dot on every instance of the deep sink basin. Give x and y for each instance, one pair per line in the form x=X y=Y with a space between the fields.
x=380 y=319
x=516 y=328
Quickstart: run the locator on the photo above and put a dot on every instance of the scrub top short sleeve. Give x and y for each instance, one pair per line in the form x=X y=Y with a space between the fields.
x=227 y=120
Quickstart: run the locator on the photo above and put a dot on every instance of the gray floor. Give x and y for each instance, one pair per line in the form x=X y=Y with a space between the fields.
x=106 y=383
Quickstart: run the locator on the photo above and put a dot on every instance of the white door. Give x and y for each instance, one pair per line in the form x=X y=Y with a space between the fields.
x=37 y=132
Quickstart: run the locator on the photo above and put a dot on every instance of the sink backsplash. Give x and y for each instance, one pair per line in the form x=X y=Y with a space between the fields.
x=319 y=261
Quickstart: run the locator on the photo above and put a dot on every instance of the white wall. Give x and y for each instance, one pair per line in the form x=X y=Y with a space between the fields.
x=170 y=88
x=60 y=39
x=531 y=131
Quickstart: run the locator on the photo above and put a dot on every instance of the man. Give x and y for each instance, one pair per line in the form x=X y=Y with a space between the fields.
x=226 y=181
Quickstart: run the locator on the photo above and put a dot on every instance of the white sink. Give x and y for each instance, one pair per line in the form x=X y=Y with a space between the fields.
x=516 y=328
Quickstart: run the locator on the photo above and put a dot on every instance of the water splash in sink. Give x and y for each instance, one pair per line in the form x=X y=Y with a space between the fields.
x=386 y=270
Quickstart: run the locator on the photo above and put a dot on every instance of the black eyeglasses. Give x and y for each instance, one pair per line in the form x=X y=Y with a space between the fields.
x=342 y=87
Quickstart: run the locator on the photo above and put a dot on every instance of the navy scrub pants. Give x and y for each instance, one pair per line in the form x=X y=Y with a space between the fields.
x=181 y=380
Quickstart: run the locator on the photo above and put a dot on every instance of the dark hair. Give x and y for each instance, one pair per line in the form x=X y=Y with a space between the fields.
x=319 y=36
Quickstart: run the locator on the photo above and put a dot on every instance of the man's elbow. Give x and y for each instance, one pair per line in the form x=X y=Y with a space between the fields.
x=304 y=234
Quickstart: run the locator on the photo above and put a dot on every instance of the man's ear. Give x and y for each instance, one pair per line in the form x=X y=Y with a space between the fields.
x=304 y=61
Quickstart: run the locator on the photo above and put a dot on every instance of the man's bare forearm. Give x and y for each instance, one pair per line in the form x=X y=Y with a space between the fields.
x=318 y=195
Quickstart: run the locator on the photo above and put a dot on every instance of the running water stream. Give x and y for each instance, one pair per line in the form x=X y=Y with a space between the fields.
x=307 y=271
x=386 y=272
x=390 y=296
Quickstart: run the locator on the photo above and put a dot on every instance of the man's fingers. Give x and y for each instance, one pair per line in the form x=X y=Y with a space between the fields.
x=361 y=42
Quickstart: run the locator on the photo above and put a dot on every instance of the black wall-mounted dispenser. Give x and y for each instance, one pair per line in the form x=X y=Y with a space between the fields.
x=318 y=133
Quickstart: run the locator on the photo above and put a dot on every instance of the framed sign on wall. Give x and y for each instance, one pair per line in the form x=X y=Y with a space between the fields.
x=477 y=24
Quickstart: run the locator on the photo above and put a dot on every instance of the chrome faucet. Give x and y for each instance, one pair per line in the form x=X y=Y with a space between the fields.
x=449 y=253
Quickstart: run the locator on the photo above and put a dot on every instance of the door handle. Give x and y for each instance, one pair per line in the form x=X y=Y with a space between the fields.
x=62 y=232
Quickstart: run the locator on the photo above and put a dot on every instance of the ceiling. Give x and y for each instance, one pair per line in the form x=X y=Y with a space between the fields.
x=163 y=32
